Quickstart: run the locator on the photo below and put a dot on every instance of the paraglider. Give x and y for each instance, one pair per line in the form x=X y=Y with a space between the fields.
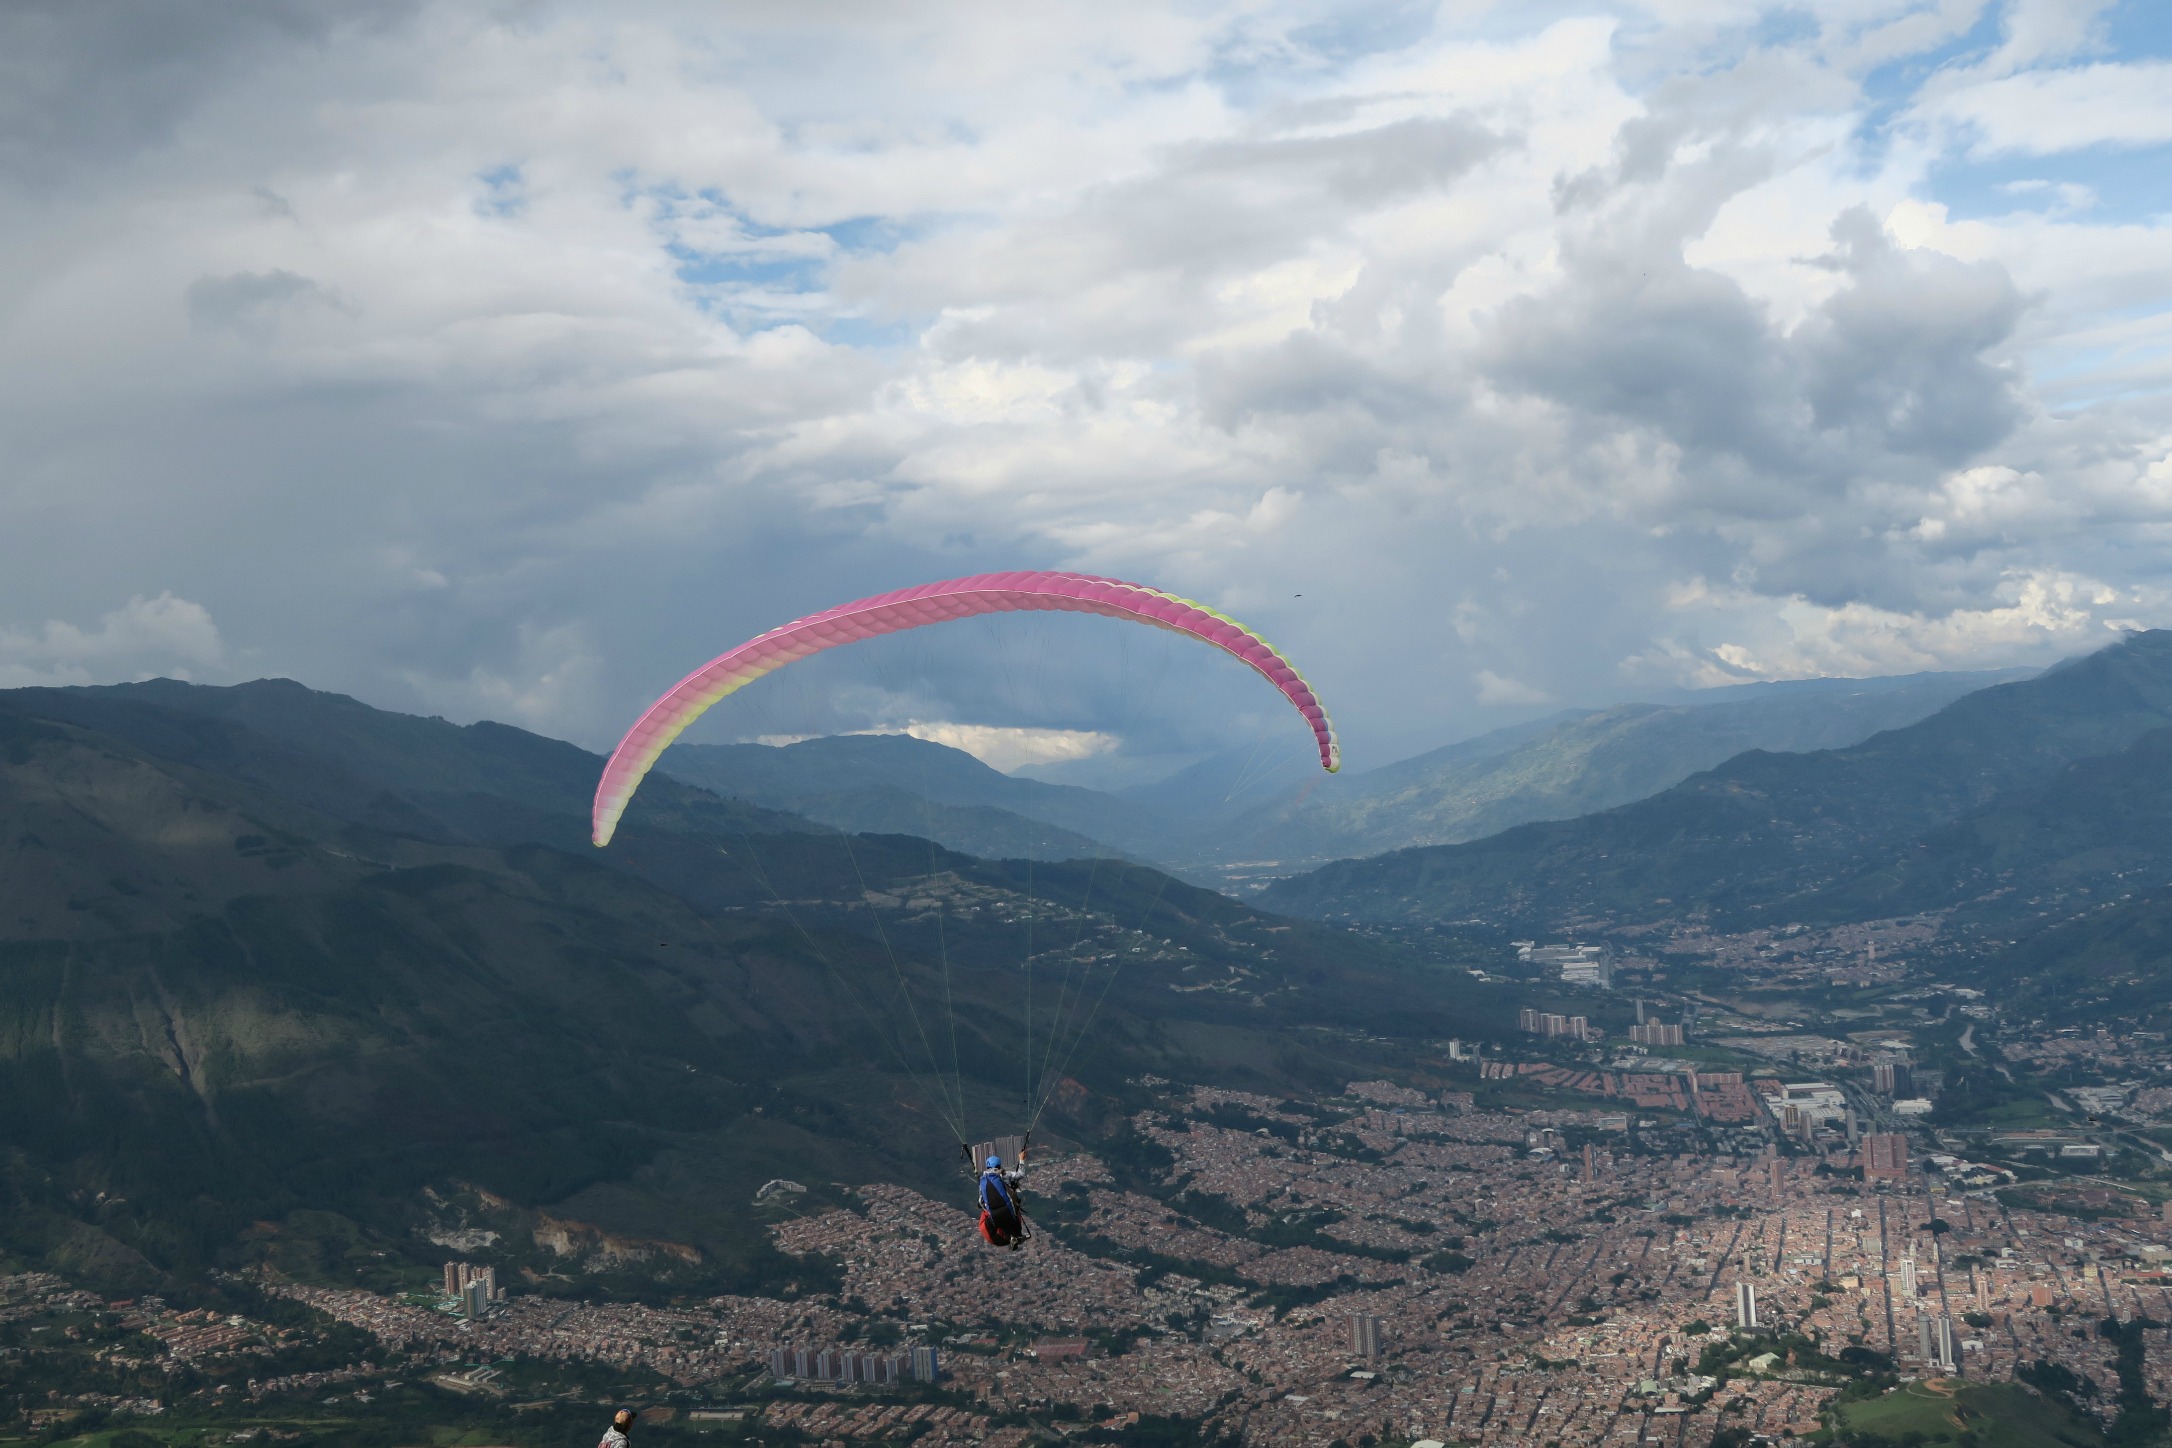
x=1000 y=1193
x=909 y=608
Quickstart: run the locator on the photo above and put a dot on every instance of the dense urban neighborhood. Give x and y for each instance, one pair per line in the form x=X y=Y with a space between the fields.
x=1577 y=1240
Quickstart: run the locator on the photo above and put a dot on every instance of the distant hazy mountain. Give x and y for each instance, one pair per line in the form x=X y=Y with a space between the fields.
x=1576 y=764
x=893 y=783
x=1254 y=805
x=1760 y=836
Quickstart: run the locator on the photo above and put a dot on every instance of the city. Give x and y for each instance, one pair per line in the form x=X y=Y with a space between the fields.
x=1563 y=1242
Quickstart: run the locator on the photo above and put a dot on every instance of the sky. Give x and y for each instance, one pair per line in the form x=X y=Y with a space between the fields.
x=509 y=360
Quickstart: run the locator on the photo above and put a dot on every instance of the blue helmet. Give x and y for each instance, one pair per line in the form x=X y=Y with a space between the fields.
x=995 y=1163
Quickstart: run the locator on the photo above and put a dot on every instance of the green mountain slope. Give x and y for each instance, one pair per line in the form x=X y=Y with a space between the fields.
x=2113 y=961
x=2096 y=831
x=1749 y=840
x=1579 y=765
x=426 y=778
x=222 y=1009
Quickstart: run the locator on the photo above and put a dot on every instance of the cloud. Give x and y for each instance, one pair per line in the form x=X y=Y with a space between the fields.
x=1009 y=748
x=2043 y=112
x=515 y=369
x=248 y=301
x=1494 y=689
x=546 y=678
x=2033 y=615
x=141 y=639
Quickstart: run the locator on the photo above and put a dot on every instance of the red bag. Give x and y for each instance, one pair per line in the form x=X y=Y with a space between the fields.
x=994 y=1235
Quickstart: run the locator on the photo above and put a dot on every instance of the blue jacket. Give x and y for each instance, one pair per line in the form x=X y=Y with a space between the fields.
x=995 y=1194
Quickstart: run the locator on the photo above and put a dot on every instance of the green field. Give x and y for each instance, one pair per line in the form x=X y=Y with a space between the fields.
x=1984 y=1415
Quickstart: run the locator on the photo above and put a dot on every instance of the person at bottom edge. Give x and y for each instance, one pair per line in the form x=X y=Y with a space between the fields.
x=615 y=1435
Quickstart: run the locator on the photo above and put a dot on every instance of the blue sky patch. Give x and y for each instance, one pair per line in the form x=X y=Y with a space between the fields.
x=1891 y=89
x=2140 y=29
x=2122 y=184
x=505 y=191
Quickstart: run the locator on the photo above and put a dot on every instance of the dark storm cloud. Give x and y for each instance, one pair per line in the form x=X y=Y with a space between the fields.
x=1898 y=377
x=1905 y=359
x=86 y=83
x=248 y=299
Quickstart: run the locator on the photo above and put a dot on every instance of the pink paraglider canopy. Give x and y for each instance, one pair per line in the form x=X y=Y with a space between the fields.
x=908 y=608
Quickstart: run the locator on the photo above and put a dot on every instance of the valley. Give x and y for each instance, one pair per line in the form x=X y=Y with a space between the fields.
x=1719 y=1115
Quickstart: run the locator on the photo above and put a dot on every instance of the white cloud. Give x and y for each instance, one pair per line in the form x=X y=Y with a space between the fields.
x=1008 y=747
x=513 y=369
x=549 y=677
x=144 y=638
x=2038 y=113
x=2035 y=616
x=1495 y=689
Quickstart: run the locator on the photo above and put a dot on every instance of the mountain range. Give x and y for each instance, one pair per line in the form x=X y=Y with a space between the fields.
x=896 y=784
x=1235 y=818
x=283 y=974
x=2018 y=801
x=285 y=977
x=1566 y=765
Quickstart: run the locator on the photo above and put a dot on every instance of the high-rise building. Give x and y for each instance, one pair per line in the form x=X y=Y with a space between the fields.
x=452 y=1279
x=1942 y=1340
x=926 y=1368
x=1657 y=1033
x=1925 y=1349
x=1551 y=1023
x=474 y=1298
x=1776 y=1172
x=1745 y=1305
x=1885 y=1157
x=1908 y=1277
x=878 y=1368
x=1591 y=1167
x=1891 y=1078
x=780 y=1364
x=1365 y=1335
